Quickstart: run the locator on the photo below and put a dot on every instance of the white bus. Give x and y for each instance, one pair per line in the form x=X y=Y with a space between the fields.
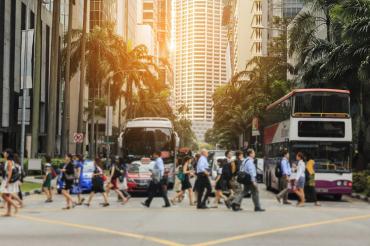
x=316 y=122
x=141 y=137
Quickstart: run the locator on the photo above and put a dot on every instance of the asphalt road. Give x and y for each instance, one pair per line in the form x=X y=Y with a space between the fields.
x=335 y=223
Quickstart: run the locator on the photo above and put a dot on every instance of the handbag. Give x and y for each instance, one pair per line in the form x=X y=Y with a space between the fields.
x=16 y=175
x=244 y=178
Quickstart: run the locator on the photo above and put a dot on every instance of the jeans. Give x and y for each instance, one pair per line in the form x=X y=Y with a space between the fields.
x=153 y=189
x=284 y=188
x=203 y=184
x=255 y=196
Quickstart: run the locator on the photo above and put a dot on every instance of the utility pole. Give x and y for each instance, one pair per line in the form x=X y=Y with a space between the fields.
x=37 y=83
x=25 y=90
x=66 y=113
x=80 y=127
x=53 y=80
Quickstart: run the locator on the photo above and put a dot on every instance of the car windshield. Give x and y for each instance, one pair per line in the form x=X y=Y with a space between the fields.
x=140 y=168
x=328 y=157
x=142 y=142
x=89 y=166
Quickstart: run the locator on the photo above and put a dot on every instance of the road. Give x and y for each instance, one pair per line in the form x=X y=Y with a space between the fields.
x=335 y=223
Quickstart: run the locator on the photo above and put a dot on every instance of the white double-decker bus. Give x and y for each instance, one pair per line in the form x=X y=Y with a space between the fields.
x=141 y=137
x=316 y=122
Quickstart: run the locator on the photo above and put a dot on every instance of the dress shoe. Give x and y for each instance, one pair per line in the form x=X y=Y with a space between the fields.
x=259 y=210
x=145 y=205
x=166 y=206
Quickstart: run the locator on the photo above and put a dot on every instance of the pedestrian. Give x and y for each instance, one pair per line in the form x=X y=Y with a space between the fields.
x=203 y=180
x=123 y=179
x=300 y=179
x=114 y=174
x=68 y=177
x=18 y=196
x=310 y=185
x=196 y=183
x=98 y=183
x=46 y=184
x=219 y=187
x=79 y=167
x=235 y=186
x=227 y=172
x=185 y=176
x=284 y=180
x=158 y=182
x=9 y=185
x=249 y=171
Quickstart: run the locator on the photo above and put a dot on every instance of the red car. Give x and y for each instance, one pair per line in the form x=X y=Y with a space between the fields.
x=139 y=176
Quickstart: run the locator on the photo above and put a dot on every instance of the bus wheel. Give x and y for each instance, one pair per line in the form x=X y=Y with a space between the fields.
x=338 y=197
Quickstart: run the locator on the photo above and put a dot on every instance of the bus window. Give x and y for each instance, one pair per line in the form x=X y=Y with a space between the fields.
x=328 y=156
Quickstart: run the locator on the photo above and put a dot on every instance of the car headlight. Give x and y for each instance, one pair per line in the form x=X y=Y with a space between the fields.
x=345 y=183
x=339 y=183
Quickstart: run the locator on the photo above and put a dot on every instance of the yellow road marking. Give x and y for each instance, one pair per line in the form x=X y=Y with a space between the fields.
x=282 y=229
x=102 y=230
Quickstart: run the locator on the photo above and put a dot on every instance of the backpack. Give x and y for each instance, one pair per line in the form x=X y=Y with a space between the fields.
x=53 y=173
x=226 y=170
x=16 y=174
x=243 y=177
x=278 y=171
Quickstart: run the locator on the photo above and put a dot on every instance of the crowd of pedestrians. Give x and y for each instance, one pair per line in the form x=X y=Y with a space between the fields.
x=235 y=179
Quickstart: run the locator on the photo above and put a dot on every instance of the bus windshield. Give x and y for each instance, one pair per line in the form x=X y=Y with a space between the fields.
x=141 y=142
x=314 y=103
x=328 y=157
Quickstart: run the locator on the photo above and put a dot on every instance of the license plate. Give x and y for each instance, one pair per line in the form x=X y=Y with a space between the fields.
x=320 y=190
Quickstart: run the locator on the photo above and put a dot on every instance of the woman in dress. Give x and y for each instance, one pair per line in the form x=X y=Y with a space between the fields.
x=9 y=185
x=300 y=179
x=115 y=174
x=68 y=179
x=185 y=181
x=98 y=184
x=219 y=185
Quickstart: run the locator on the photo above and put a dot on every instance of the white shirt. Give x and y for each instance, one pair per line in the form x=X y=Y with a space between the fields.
x=202 y=164
x=301 y=167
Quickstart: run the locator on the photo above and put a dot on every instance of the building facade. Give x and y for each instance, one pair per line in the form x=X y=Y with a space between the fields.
x=199 y=58
x=12 y=22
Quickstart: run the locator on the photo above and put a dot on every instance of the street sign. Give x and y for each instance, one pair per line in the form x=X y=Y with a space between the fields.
x=255 y=127
x=78 y=137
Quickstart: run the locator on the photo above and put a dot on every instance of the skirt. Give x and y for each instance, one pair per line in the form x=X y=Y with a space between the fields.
x=98 y=185
x=186 y=184
x=11 y=189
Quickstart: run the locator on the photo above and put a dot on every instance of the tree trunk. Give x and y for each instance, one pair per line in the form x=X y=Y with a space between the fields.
x=80 y=126
x=66 y=113
x=37 y=84
x=92 y=132
x=53 y=80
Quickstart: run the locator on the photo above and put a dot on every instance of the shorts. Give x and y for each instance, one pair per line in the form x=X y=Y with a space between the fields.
x=300 y=182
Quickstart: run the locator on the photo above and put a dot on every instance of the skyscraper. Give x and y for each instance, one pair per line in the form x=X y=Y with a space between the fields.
x=199 y=58
x=247 y=23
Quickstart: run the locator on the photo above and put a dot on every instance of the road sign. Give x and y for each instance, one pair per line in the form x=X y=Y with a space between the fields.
x=255 y=127
x=78 y=137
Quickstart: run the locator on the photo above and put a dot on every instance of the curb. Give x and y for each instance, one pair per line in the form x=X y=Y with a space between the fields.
x=32 y=192
x=360 y=197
